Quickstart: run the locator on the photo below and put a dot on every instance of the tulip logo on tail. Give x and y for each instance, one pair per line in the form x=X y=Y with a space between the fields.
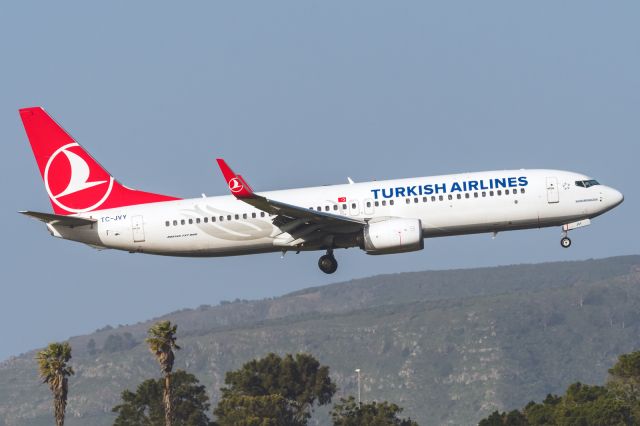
x=235 y=185
x=72 y=183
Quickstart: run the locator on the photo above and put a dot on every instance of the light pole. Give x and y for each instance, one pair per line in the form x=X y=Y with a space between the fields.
x=358 y=372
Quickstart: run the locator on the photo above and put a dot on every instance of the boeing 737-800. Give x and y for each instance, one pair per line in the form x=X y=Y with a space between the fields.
x=379 y=217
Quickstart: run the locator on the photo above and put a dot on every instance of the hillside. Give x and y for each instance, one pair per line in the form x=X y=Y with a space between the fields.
x=449 y=346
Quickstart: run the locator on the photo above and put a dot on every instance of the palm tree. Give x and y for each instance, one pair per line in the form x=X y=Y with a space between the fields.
x=162 y=341
x=52 y=363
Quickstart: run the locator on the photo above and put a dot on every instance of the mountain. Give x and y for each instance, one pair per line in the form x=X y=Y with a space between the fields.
x=449 y=346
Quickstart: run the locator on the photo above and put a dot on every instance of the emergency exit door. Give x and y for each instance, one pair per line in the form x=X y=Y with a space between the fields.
x=552 y=190
x=137 y=225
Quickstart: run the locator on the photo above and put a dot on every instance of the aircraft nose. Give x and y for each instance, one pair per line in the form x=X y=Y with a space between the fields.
x=615 y=197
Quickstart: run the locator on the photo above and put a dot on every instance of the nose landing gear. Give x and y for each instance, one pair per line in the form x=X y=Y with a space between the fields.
x=328 y=263
x=565 y=242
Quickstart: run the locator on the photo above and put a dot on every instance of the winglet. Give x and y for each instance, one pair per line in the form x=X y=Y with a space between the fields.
x=237 y=185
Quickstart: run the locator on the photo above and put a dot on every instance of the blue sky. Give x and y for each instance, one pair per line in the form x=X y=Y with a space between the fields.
x=297 y=94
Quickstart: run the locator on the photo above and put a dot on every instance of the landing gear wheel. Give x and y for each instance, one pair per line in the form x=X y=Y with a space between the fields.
x=565 y=242
x=328 y=264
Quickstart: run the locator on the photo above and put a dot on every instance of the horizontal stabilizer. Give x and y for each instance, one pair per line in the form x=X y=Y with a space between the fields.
x=57 y=219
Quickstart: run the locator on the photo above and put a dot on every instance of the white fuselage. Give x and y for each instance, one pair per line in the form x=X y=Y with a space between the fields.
x=445 y=205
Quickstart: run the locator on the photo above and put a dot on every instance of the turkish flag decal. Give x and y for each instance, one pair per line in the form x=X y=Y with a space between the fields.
x=342 y=199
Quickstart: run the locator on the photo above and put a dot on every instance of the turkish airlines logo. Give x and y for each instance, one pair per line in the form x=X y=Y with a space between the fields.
x=235 y=185
x=74 y=181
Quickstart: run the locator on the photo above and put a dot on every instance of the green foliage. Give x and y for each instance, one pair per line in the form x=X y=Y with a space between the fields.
x=91 y=347
x=627 y=367
x=118 y=342
x=497 y=322
x=617 y=403
x=52 y=364
x=301 y=381
x=349 y=413
x=53 y=369
x=145 y=405
x=265 y=410
x=513 y=418
x=162 y=342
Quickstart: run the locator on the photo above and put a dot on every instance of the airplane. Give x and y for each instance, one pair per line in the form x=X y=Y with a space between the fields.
x=380 y=217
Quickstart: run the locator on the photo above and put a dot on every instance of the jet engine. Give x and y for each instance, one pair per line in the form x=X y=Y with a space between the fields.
x=394 y=235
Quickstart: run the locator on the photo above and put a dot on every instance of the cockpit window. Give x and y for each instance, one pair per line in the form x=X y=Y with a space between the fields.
x=587 y=183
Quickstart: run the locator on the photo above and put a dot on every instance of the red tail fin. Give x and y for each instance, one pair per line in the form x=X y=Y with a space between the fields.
x=75 y=182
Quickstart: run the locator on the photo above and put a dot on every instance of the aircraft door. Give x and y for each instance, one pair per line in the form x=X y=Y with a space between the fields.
x=552 y=190
x=354 y=208
x=137 y=226
x=368 y=207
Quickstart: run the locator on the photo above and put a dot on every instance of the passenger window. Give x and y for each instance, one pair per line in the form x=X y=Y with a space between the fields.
x=450 y=197
x=353 y=205
x=166 y=223
x=506 y=192
x=182 y=222
x=475 y=195
x=221 y=218
x=491 y=193
x=206 y=220
x=522 y=190
x=441 y=198
x=244 y=216
x=408 y=200
x=499 y=192
x=228 y=217
x=253 y=215
x=175 y=223
x=261 y=214
x=368 y=204
x=377 y=204
x=190 y=221
x=390 y=202
x=326 y=208
x=433 y=198
x=484 y=193
x=344 y=207
x=384 y=202
x=459 y=196
x=466 y=195
x=197 y=220
x=237 y=216
x=319 y=208
x=424 y=199
x=415 y=200
x=335 y=207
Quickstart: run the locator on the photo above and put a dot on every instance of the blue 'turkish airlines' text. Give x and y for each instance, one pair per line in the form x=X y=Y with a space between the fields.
x=456 y=186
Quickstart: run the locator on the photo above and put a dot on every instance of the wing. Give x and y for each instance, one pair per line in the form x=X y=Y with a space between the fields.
x=304 y=225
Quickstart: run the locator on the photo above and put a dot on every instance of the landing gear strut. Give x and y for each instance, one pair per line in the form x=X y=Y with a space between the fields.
x=327 y=263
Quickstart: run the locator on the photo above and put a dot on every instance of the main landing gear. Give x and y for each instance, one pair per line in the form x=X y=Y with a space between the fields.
x=327 y=263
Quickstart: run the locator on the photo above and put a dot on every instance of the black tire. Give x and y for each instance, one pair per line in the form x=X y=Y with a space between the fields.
x=328 y=264
x=565 y=242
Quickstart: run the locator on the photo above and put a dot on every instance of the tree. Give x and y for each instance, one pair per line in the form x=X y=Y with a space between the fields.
x=53 y=368
x=145 y=406
x=349 y=413
x=91 y=347
x=301 y=381
x=162 y=342
x=265 y=410
x=119 y=342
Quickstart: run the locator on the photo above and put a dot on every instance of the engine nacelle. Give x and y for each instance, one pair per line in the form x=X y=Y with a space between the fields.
x=393 y=236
